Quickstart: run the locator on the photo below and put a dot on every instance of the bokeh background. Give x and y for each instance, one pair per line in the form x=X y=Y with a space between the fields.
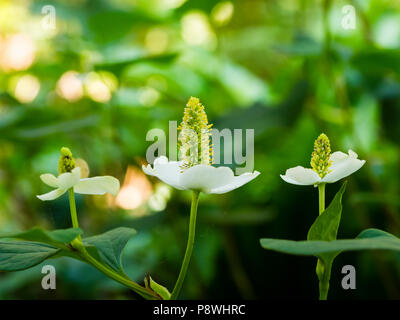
x=112 y=70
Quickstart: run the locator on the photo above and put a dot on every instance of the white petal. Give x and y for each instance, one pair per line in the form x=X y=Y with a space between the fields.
x=237 y=182
x=301 y=176
x=343 y=167
x=205 y=178
x=161 y=160
x=69 y=179
x=353 y=154
x=50 y=180
x=167 y=172
x=52 y=194
x=148 y=170
x=338 y=156
x=97 y=185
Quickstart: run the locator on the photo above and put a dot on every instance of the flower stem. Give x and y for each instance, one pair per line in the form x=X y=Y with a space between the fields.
x=321 y=193
x=323 y=267
x=78 y=245
x=189 y=247
x=72 y=207
x=145 y=293
x=324 y=275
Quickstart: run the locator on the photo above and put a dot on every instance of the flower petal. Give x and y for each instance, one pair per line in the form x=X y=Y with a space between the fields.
x=343 y=166
x=237 y=182
x=167 y=172
x=52 y=194
x=50 y=180
x=69 y=179
x=301 y=176
x=201 y=177
x=97 y=185
x=338 y=156
x=205 y=178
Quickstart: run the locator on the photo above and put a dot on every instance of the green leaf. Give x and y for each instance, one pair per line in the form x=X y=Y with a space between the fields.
x=162 y=291
x=57 y=238
x=326 y=226
x=20 y=255
x=322 y=237
x=369 y=239
x=110 y=245
x=38 y=246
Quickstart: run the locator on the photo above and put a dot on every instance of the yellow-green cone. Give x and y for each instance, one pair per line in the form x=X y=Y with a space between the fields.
x=320 y=162
x=194 y=137
x=66 y=162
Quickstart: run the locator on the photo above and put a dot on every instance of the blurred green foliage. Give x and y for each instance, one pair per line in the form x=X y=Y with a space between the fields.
x=112 y=70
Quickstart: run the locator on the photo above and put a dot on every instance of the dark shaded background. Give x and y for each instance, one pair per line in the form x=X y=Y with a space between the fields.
x=114 y=69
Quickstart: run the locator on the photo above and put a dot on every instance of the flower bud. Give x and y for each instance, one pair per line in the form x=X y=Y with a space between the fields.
x=157 y=288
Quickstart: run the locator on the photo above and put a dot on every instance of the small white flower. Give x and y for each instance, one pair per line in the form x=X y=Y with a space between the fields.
x=201 y=177
x=194 y=171
x=67 y=180
x=341 y=166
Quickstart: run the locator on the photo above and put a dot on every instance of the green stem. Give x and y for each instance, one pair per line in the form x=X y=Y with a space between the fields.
x=189 y=247
x=72 y=207
x=145 y=293
x=324 y=275
x=323 y=270
x=321 y=194
x=78 y=245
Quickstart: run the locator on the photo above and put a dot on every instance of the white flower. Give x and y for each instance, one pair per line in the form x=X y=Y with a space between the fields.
x=194 y=171
x=201 y=177
x=341 y=166
x=65 y=181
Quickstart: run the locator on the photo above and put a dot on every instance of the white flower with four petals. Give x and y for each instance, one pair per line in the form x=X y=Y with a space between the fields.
x=342 y=165
x=65 y=181
x=201 y=177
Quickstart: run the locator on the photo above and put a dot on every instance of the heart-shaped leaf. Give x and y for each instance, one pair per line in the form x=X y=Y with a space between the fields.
x=110 y=245
x=323 y=230
x=369 y=239
x=20 y=255
x=57 y=238
x=326 y=226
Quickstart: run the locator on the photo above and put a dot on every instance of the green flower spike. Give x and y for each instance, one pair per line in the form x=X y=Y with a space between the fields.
x=194 y=138
x=320 y=159
x=66 y=162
